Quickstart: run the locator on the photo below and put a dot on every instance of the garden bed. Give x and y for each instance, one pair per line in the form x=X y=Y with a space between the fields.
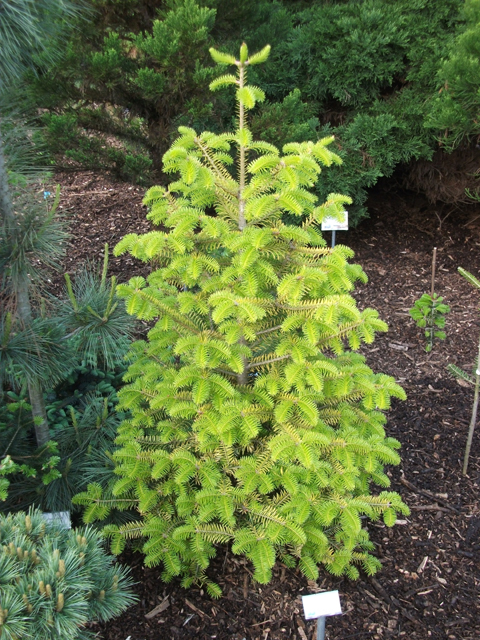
x=429 y=585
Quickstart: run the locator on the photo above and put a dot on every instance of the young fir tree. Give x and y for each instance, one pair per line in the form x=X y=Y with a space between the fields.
x=251 y=423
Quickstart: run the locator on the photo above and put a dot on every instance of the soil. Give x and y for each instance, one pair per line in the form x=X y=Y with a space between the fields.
x=429 y=584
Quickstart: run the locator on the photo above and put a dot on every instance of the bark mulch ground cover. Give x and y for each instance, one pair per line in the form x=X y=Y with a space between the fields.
x=430 y=583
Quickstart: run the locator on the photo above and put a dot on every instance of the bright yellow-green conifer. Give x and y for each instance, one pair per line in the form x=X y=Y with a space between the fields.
x=251 y=422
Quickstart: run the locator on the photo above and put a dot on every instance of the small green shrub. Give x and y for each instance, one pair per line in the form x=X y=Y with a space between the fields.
x=117 y=149
x=429 y=314
x=453 y=111
x=53 y=581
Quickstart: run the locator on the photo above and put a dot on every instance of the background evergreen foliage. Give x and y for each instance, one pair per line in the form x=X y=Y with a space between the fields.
x=26 y=25
x=252 y=423
x=367 y=71
x=455 y=109
x=54 y=581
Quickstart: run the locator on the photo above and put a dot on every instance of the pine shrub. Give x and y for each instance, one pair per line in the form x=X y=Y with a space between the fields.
x=53 y=581
x=254 y=420
x=78 y=352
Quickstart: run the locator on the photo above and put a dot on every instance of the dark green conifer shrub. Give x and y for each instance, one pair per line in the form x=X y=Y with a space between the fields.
x=76 y=136
x=53 y=581
x=130 y=82
x=252 y=423
x=83 y=430
x=367 y=71
x=88 y=336
x=455 y=107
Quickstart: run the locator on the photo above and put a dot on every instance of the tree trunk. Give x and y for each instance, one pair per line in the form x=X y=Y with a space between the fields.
x=6 y=207
x=37 y=402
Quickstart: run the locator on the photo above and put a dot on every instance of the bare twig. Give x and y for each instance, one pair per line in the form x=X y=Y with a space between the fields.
x=434 y=264
x=427 y=494
x=196 y=609
x=158 y=609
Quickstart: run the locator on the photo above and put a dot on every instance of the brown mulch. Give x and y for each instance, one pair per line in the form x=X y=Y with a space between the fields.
x=429 y=585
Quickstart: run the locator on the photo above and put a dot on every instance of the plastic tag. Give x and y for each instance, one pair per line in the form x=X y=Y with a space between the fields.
x=334 y=224
x=318 y=605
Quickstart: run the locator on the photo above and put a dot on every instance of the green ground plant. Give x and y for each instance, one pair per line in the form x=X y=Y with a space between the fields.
x=429 y=311
x=252 y=423
x=429 y=314
x=53 y=581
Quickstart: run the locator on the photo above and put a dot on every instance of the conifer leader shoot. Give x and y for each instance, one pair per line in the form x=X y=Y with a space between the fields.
x=252 y=423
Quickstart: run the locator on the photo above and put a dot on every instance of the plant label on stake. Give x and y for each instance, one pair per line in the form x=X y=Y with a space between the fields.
x=317 y=605
x=330 y=223
x=320 y=605
x=61 y=518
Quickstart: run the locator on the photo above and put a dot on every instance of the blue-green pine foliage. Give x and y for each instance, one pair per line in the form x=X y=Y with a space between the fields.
x=254 y=420
x=54 y=581
x=79 y=353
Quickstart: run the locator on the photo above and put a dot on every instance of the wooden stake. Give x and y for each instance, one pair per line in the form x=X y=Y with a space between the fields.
x=434 y=262
x=473 y=420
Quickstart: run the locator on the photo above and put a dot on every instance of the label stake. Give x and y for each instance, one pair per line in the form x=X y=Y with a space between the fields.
x=320 y=605
x=333 y=224
x=321 y=628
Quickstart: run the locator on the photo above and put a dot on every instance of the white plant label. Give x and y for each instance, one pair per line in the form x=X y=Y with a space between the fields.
x=334 y=224
x=61 y=518
x=318 y=605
